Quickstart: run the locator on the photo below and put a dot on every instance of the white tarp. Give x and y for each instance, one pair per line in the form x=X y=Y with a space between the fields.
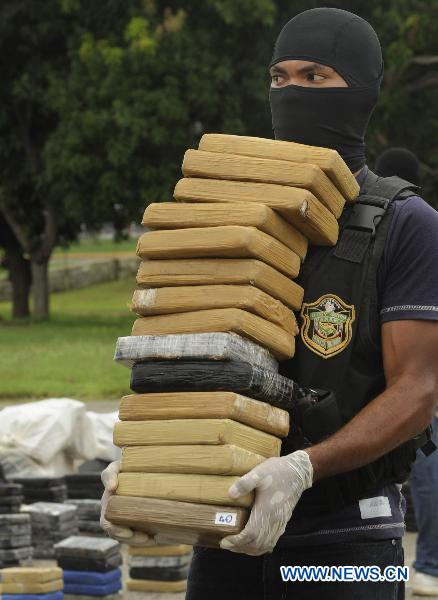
x=103 y=426
x=45 y=438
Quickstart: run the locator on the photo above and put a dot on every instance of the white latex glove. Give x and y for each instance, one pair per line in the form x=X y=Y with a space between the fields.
x=278 y=484
x=122 y=534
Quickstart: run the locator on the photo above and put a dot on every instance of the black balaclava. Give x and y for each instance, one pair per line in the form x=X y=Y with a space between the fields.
x=329 y=117
x=400 y=162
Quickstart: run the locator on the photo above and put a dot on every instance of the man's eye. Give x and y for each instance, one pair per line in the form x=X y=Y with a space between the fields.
x=315 y=77
x=275 y=79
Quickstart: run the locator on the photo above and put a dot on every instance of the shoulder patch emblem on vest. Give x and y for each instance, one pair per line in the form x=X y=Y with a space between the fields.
x=327 y=325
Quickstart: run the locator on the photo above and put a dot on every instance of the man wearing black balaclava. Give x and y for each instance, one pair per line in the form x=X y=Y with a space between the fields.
x=326 y=73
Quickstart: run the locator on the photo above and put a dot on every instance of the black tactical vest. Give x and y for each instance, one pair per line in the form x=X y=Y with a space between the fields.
x=340 y=347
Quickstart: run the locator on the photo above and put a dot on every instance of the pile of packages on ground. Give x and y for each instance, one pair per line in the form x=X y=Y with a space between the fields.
x=41 y=507
x=87 y=568
x=44 y=530
x=215 y=304
x=30 y=529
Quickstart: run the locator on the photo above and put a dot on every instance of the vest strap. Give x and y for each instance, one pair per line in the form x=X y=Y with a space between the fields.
x=353 y=244
x=366 y=214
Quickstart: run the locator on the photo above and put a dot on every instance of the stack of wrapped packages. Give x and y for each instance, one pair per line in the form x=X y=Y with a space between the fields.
x=43 y=489
x=82 y=486
x=11 y=497
x=51 y=522
x=159 y=569
x=87 y=484
x=85 y=491
x=91 y=568
x=215 y=315
x=33 y=583
x=15 y=528
x=88 y=513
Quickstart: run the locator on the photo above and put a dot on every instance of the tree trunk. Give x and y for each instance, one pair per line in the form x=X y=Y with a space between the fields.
x=40 y=288
x=20 y=278
x=39 y=246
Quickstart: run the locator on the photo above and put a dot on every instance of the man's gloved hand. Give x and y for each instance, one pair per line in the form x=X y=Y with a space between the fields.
x=278 y=484
x=121 y=534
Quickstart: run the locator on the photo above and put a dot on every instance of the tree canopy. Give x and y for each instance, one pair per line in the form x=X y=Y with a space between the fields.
x=99 y=101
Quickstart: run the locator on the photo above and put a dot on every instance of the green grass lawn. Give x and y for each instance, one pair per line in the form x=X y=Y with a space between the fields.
x=72 y=354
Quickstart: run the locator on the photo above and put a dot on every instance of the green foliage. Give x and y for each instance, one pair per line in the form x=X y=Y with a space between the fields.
x=100 y=100
x=406 y=114
x=119 y=140
x=138 y=36
x=244 y=12
x=129 y=105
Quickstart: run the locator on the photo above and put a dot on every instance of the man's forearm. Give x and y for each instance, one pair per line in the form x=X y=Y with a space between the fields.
x=398 y=414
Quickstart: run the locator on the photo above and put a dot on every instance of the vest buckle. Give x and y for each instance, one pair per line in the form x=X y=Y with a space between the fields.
x=366 y=217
